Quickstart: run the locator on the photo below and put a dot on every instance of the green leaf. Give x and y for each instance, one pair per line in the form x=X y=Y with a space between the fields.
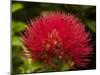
x=18 y=26
x=16 y=7
x=36 y=66
x=91 y=24
x=65 y=67
x=16 y=41
x=31 y=67
x=21 y=69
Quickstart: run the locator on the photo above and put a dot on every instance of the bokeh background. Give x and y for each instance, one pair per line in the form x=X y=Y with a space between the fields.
x=22 y=12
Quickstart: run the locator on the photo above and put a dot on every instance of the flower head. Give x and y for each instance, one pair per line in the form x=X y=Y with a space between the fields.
x=57 y=38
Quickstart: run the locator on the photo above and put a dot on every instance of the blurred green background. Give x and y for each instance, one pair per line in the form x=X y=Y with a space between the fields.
x=22 y=12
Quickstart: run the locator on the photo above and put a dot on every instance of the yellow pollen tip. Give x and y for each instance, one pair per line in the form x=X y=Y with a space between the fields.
x=60 y=57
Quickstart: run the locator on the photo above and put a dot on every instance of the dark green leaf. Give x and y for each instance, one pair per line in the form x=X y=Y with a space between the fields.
x=91 y=24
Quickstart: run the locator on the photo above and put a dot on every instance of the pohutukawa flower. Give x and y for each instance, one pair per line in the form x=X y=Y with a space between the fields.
x=57 y=38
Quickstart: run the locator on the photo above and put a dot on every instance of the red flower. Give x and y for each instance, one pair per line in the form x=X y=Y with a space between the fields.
x=57 y=38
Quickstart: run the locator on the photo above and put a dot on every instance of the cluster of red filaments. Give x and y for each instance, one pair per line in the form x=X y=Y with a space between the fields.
x=58 y=38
